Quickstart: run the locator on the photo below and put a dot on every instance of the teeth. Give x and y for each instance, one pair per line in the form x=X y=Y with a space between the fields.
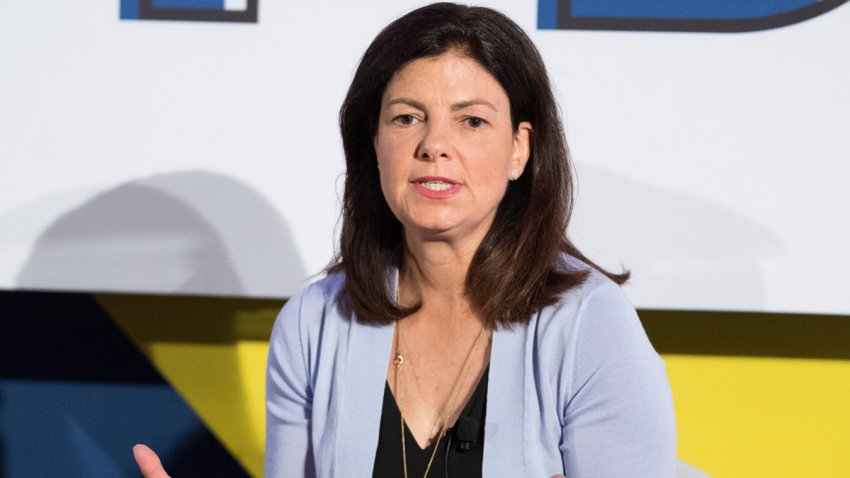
x=436 y=185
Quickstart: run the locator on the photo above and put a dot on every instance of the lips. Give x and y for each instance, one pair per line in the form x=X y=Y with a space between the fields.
x=435 y=180
x=435 y=187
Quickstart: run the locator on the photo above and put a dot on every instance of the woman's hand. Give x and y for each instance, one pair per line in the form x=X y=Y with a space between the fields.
x=558 y=476
x=148 y=462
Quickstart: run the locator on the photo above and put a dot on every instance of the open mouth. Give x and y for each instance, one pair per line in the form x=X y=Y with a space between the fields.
x=436 y=185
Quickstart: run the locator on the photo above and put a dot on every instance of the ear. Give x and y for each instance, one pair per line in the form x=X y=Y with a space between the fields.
x=522 y=149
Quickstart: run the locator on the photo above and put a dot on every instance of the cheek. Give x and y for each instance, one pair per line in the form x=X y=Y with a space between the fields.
x=389 y=174
x=493 y=164
x=385 y=150
x=391 y=160
x=386 y=166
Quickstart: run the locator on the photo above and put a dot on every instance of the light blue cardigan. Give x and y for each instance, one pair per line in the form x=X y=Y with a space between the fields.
x=579 y=390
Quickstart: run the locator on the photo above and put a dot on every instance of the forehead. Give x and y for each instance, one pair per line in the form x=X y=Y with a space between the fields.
x=451 y=77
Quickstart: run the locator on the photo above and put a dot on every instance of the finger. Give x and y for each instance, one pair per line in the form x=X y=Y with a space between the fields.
x=148 y=462
x=558 y=476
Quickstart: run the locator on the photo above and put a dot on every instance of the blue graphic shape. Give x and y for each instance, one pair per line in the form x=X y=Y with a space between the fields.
x=187 y=10
x=678 y=15
x=685 y=9
x=129 y=10
x=88 y=457
x=81 y=429
x=199 y=4
x=547 y=14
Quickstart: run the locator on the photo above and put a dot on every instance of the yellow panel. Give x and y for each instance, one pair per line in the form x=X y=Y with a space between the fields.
x=213 y=352
x=762 y=417
x=252 y=364
x=225 y=385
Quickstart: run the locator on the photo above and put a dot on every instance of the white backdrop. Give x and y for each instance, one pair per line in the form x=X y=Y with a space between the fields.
x=193 y=157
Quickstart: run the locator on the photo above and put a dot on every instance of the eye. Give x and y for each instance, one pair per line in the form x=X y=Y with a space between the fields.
x=475 y=122
x=404 y=120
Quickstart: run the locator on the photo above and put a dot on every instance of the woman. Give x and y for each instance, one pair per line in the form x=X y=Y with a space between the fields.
x=459 y=333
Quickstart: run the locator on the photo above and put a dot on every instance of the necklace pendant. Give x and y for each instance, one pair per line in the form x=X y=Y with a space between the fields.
x=398 y=360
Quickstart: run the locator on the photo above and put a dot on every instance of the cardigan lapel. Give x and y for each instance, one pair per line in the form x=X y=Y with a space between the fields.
x=362 y=399
x=504 y=447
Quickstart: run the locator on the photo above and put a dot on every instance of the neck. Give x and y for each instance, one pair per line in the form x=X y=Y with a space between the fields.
x=435 y=270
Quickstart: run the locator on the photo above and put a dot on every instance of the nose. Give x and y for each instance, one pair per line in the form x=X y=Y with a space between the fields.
x=435 y=142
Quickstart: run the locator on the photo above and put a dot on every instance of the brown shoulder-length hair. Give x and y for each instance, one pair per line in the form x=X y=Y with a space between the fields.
x=518 y=267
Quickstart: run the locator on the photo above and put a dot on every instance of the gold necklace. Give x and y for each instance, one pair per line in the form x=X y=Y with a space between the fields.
x=404 y=450
x=398 y=361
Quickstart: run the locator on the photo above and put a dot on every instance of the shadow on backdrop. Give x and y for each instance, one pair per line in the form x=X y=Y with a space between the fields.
x=189 y=233
x=711 y=259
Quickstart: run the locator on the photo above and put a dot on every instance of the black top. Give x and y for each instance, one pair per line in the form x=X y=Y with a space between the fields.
x=460 y=451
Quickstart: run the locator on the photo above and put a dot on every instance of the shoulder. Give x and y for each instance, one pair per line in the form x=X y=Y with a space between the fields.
x=306 y=314
x=597 y=300
x=593 y=327
x=305 y=325
x=318 y=296
x=324 y=291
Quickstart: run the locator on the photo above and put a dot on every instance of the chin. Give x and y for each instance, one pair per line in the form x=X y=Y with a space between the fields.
x=445 y=232
x=431 y=229
x=432 y=221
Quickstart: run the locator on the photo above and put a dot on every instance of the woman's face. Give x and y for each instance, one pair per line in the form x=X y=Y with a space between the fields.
x=446 y=147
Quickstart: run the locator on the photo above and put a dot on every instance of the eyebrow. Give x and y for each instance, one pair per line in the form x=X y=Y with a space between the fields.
x=473 y=102
x=455 y=107
x=406 y=101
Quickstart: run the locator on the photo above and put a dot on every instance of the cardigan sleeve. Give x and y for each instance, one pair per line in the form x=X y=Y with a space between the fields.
x=619 y=419
x=288 y=398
